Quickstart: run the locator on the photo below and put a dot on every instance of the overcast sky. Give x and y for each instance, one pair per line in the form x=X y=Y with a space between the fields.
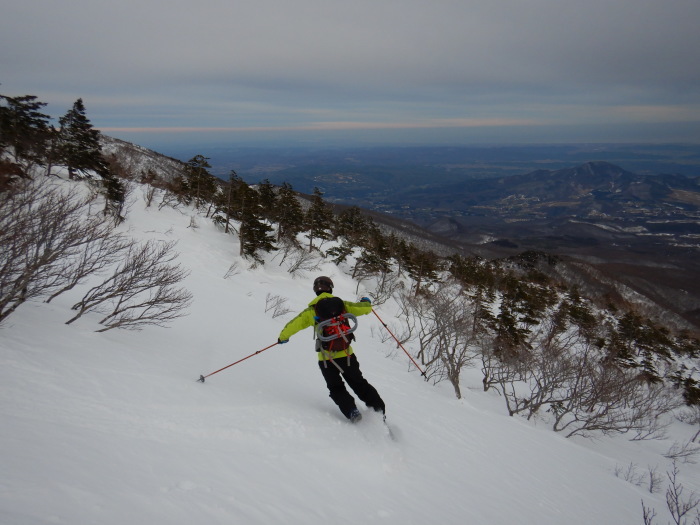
x=392 y=70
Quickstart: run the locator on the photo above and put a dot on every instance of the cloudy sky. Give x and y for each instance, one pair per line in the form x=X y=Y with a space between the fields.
x=373 y=70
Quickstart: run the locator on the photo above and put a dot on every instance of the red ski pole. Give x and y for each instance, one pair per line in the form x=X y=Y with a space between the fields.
x=402 y=348
x=202 y=378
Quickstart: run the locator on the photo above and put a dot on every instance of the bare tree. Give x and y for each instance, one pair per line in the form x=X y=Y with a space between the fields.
x=648 y=514
x=49 y=241
x=149 y=194
x=141 y=291
x=683 y=509
x=388 y=284
x=169 y=198
x=234 y=269
x=560 y=367
x=416 y=328
x=276 y=304
x=655 y=480
x=443 y=318
x=609 y=399
x=97 y=256
x=677 y=504
x=501 y=374
x=298 y=260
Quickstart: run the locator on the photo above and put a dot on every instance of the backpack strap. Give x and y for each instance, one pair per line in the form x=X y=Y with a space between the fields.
x=334 y=324
x=329 y=358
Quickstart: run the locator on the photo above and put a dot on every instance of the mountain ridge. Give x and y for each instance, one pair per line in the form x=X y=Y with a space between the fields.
x=600 y=217
x=598 y=181
x=623 y=225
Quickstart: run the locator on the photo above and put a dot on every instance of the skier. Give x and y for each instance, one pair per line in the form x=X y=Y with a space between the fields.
x=337 y=365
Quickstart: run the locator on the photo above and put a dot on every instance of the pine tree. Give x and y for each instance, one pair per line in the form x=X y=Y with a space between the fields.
x=422 y=267
x=405 y=252
x=354 y=226
x=79 y=143
x=199 y=183
x=380 y=245
x=115 y=195
x=375 y=256
x=472 y=271
x=319 y=219
x=228 y=202
x=80 y=150
x=255 y=233
x=234 y=181
x=268 y=199
x=289 y=214
x=24 y=130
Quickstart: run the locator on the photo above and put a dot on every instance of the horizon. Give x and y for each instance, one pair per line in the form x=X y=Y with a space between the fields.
x=255 y=162
x=366 y=72
x=377 y=139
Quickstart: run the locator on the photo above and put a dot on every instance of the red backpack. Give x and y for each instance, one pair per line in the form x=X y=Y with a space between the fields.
x=334 y=325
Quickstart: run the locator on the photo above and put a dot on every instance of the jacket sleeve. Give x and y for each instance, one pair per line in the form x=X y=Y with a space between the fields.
x=301 y=321
x=361 y=308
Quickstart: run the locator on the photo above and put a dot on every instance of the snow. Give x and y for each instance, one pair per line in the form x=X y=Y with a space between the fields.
x=114 y=428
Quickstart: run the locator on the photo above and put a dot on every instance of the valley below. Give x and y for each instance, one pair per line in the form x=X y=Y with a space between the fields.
x=626 y=216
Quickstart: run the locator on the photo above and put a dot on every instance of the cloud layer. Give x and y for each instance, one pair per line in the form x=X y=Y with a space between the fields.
x=323 y=65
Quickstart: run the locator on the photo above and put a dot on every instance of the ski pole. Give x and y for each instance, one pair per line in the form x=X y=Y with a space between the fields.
x=399 y=343
x=202 y=378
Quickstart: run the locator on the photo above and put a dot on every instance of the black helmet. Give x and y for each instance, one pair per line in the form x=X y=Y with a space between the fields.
x=323 y=284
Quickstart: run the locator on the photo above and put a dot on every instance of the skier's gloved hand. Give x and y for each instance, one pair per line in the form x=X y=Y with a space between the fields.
x=365 y=300
x=281 y=342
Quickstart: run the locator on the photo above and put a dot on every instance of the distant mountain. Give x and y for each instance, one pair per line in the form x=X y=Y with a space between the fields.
x=622 y=233
x=139 y=161
x=589 y=189
x=639 y=232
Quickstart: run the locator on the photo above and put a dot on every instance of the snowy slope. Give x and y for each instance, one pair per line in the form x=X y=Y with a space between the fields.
x=113 y=428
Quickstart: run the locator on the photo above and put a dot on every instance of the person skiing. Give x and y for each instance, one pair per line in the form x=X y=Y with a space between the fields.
x=336 y=365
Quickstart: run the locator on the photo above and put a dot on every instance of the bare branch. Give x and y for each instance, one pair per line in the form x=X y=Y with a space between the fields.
x=50 y=241
x=141 y=291
x=678 y=505
x=277 y=304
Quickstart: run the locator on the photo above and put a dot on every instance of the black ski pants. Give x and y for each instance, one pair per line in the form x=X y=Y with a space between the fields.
x=353 y=377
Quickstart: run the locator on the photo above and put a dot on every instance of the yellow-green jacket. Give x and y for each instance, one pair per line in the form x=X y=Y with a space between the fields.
x=308 y=318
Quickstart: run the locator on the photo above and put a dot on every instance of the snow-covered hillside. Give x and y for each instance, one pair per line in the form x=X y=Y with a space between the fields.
x=114 y=428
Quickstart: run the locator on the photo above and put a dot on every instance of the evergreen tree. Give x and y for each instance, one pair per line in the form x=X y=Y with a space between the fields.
x=637 y=342
x=234 y=182
x=79 y=143
x=289 y=214
x=255 y=233
x=115 y=195
x=403 y=252
x=199 y=183
x=375 y=256
x=422 y=267
x=80 y=150
x=341 y=252
x=268 y=199
x=23 y=128
x=353 y=226
x=472 y=271
x=368 y=263
x=229 y=202
x=380 y=245
x=319 y=219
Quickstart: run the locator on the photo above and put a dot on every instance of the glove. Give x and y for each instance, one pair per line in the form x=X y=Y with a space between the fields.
x=281 y=342
x=365 y=300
